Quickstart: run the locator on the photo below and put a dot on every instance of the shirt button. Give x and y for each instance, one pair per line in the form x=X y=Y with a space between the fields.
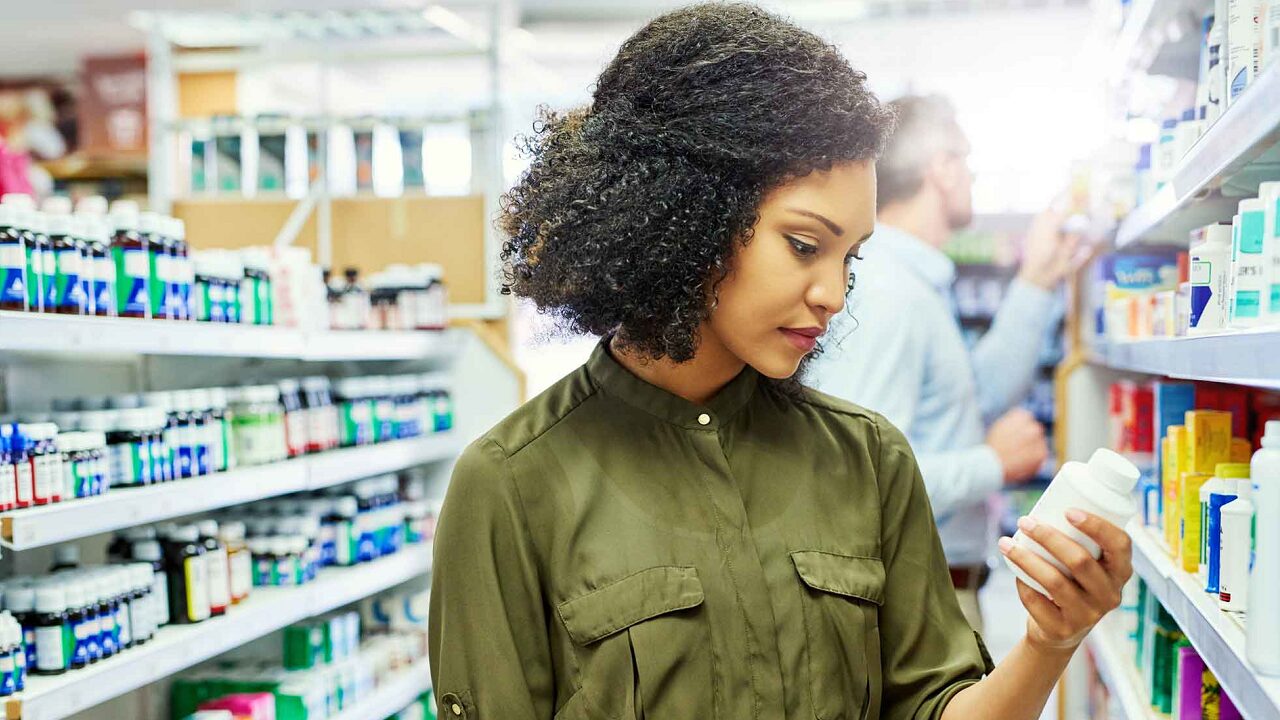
x=704 y=419
x=457 y=709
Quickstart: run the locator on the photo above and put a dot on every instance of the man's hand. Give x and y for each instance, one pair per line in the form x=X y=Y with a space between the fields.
x=1048 y=254
x=1018 y=440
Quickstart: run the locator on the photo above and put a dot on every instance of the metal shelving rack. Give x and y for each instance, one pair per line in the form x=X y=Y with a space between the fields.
x=219 y=41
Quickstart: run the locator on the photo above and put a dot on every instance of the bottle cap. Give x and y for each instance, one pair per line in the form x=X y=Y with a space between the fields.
x=66 y=555
x=147 y=550
x=1113 y=471
x=208 y=528
x=124 y=215
x=185 y=533
x=1235 y=471
x=92 y=205
x=141 y=575
x=51 y=598
x=19 y=598
x=1271 y=438
x=1218 y=234
x=231 y=530
x=346 y=506
x=76 y=597
x=58 y=224
x=280 y=545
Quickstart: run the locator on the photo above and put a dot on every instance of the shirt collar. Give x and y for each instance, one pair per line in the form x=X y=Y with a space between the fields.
x=610 y=377
x=922 y=258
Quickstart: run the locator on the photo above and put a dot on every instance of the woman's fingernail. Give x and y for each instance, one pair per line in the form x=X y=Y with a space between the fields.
x=1075 y=517
x=1027 y=524
x=1006 y=544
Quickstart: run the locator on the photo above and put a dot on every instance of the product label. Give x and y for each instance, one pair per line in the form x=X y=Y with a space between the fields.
x=13 y=286
x=1248 y=304
x=1251 y=227
x=51 y=650
x=8 y=681
x=1275 y=298
x=80 y=656
x=219 y=579
x=29 y=642
x=124 y=625
x=160 y=596
x=25 y=474
x=241 y=574
x=185 y=452
x=132 y=274
x=49 y=278
x=45 y=479
x=93 y=636
x=122 y=464
x=264 y=572
x=196 y=576
x=104 y=283
x=70 y=289
x=202 y=454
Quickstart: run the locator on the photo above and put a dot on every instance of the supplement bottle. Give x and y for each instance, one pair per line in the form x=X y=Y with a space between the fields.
x=1103 y=486
x=17 y=639
x=161 y=460
x=224 y=457
x=75 y=464
x=219 y=568
x=122 y=592
x=68 y=293
x=101 y=590
x=1262 y=631
x=208 y=433
x=141 y=610
x=1236 y=550
x=149 y=230
x=77 y=619
x=130 y=253
x=239 y=560
x=48 y=263
x=264 y=561
x=1214 y=496
x=21 y=448
x=8 y=650
x=47 y=481
x=183 y=435
x=102 y=267
x=184 y=270
x=346 y=512
x=51 y=630
x=295 y=417
x=13 y=261
x=149 y=552
x=188 y=576
x=20 y=600
x=286 y=569
x=92 y=620
x=8 y=480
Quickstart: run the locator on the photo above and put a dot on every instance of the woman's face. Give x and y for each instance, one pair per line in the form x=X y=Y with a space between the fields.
x=784 y=285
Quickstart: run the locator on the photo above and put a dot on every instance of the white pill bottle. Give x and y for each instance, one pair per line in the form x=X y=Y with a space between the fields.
x=1103 y=486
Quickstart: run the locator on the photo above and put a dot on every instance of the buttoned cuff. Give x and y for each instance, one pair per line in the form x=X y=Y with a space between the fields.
x=988 y=471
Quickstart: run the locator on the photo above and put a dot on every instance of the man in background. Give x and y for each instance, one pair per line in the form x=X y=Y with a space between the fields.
x=899 y=350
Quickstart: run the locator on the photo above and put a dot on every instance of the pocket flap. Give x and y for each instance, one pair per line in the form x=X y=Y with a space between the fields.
x=635 y=598
x=856 y=577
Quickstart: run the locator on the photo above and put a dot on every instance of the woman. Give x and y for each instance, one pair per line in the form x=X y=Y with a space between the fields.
x=678 y=529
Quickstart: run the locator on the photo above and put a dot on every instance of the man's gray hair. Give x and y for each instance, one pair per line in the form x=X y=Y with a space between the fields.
x=926 y=126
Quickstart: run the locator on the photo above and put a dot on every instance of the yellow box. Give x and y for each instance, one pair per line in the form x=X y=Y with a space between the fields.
x=1241 y=450
x=1173 y=456
x=1189 y=490
x=1208 y=440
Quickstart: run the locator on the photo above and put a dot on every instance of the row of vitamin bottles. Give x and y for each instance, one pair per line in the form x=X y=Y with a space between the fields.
x=125 y=263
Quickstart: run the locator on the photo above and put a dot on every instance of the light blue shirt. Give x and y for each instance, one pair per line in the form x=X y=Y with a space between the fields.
x=898 y=350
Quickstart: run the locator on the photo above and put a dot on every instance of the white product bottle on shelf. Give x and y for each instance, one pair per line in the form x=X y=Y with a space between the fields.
x=1242 y=46
x=1210 y=272
x=1236 y=550
x=1247 y=267
x=1262 y=631
x=1269 y=195
x=1103 y=486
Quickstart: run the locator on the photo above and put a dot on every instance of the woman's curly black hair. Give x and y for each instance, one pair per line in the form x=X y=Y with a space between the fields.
x=632 y=207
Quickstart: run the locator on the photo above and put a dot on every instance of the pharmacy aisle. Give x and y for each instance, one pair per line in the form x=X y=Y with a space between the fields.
x=1172 y=363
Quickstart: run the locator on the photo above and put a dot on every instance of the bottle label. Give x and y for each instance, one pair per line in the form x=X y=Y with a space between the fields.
x=160 y=596
x=70 y=291
x=104 y=283
x=93 y=636
x=219 y=579
x=25 y=474
x=13 y=287
x=1248 y=303
x=80 y=656
x=186 y=462
x=132 y=274
x=202 y=456
x=8 y=674
x=109 y=636
x=51 y=651
x=124 y=625
x=346 y=544
x=122 y=465
x=196 y=576
x=29 y=643
x=264 y=572
x=49 y=278
x=241 y=574
x=285 y=571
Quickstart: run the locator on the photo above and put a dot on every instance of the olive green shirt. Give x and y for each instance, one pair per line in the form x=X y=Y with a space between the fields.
x=611 y=550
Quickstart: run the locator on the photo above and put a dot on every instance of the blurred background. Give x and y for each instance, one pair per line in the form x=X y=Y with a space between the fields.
x=381 y=134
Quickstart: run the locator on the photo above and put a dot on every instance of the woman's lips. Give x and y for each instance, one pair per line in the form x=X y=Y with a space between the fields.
x=801 y=341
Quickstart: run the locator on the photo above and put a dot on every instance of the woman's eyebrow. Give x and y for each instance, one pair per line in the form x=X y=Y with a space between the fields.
x=834 y=228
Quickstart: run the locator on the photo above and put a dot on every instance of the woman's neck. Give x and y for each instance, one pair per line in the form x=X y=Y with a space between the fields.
x=713 y=366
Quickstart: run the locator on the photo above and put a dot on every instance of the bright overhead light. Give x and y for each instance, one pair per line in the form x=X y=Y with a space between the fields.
x=456 y=25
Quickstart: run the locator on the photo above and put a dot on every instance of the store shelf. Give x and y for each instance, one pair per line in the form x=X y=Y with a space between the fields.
x=392 y=696
x=1228 y=162
x=1216 y=635
x=126 y=507
x=1242 y=358
x=1119 y=671
x=175 y=648
x=34 y=332
x=339 y=466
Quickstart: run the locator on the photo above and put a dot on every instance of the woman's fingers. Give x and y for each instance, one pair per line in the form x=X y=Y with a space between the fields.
x=1117 y=546
x=1101 y=589
x=1066 y=594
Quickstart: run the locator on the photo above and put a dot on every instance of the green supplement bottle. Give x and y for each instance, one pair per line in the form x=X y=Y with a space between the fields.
x=52 y=631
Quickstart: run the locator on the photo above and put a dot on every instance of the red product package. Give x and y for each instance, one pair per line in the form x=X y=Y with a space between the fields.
x=1142 y=419
x=1230 y=398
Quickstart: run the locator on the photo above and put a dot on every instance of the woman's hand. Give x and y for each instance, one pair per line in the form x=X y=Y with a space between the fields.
x=1078 y=604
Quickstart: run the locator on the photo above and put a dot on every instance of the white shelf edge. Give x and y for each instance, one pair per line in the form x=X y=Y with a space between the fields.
x=176 y=648
x=339 y=466
x=39 y=332
x=1216 y=635
x=393 y=696
x=1246 y=129
x=127 y=507
x=1119 y=672
x=1243 y=358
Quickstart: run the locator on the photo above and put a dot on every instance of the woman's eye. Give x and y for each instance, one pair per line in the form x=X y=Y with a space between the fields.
x=802 y=248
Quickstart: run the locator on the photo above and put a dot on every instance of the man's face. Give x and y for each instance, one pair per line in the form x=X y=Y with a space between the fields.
x=955 y=182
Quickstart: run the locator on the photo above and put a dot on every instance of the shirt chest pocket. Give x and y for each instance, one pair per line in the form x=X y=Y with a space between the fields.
x=842 y=596
x=643 y=648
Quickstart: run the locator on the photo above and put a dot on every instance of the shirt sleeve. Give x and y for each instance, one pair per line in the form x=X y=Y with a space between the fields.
x=489 y=652
x=1006 y=358
x=928 y=651
x=889 y=380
